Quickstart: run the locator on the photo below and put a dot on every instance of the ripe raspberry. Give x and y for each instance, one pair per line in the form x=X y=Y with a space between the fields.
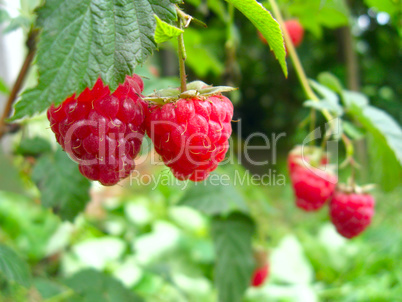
x=101 y=131
x=312 y=186
x=260 y=275
x=191 y=134
x=295 y=30
x=261 y=271
x=351 y=213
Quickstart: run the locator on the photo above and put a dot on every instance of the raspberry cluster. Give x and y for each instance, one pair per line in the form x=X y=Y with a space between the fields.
x=101 y=131
x=191 y=135
x=350 y=208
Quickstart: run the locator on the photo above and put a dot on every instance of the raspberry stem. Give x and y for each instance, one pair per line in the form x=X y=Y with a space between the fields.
x=182 y=59
x=303 y=78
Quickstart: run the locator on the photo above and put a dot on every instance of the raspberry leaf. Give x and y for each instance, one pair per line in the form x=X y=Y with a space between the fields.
x=62 y=186
x=385 y=137
x=84 y=39
x=92 y=285
x=234 y=263
x=164 y=31
x=213 y=199
x=267 y=25
x=13 y=267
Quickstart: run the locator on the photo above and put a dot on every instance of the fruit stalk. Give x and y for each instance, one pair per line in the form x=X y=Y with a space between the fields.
x=302 y=75
x=182 y=59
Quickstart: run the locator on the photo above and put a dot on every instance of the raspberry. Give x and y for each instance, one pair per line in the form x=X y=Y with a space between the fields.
x=261 y=271
x=102 y=132
x=260 y=275
x=295 y=30
x=312 y=186
x=191 y=134
x=351 y=213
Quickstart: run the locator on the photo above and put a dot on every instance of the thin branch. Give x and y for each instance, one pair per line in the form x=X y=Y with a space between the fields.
x=302 y=75
x=31 y=44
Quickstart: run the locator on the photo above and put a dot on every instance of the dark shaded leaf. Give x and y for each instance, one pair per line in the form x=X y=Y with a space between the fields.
x=234 y=257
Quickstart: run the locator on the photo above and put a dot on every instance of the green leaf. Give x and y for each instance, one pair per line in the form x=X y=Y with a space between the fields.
x=18 y=22
x=384 y=167
x=4 y=16
x=164 y=31
x=94 y=286
x=267 y=25
x=380 y=124
x=201 y=57
x=352 y=131
x=324 y=105
x=47 y=288
x=314 y=14
x=213 y=198
x=330 y=100
x=62 y=186
x=331 y=81
x=234 y=261
x=82 y=40
x=34 y=146
x=391 y=7
x=13 y=267
x=3 y=87
x=385 y=132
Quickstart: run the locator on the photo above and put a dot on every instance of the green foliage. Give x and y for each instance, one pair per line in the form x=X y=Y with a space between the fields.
x=267 y=25
x=84 y=40
x=234 y=261
x=4 y=16
x=26 y=223
x=13 y=267
x=164 y=31
x=35 y=146
x=93 y=286
x=63 y=188
x=391 y=7
x=3 y=86
x=201 y=57
x=316 y=14
x=385 y=138
x=329 y=102
x=213 y=199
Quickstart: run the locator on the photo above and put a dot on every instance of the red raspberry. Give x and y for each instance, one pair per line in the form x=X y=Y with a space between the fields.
x=261 y=272
x=260 y=275
x=295 y=30
x=351 y=213
x=101 y=131
x=191 y=135
x=312 y=186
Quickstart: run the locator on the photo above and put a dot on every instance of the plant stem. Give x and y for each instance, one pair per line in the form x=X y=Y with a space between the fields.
x=182 y=59
x=31 y=44
x=302 y=75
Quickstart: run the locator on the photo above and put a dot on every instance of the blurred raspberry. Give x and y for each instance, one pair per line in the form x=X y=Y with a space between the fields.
x=312 y=186
x=351 y=213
